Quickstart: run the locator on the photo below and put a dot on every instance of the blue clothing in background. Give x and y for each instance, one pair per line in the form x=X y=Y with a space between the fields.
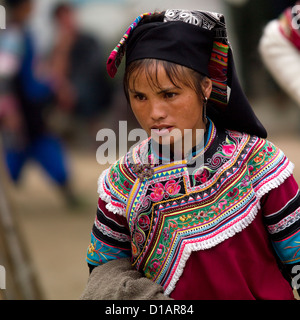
x=34 y=96
x=47 y=151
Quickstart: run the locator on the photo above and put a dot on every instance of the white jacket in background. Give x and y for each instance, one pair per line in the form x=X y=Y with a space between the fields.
x=282 y=59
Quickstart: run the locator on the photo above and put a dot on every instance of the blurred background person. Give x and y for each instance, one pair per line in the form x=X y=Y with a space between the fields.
x=26 y=95
x=248 y=18
x=279 y=48
x=82 y=85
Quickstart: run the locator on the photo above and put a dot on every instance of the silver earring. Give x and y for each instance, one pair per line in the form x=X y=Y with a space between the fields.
x=204 y=109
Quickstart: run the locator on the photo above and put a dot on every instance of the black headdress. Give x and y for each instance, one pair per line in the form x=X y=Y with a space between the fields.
x=197 y=40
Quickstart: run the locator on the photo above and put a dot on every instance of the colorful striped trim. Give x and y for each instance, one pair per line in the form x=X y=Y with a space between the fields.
x=218 y=72
x=117 y=54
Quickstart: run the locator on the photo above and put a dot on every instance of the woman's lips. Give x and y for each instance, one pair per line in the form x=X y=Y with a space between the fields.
x=161 y=131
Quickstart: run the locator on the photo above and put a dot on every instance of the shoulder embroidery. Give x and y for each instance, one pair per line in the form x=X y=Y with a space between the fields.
x=268 y=167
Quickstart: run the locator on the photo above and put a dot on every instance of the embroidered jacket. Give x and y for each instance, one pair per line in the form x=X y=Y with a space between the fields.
x=166 y=215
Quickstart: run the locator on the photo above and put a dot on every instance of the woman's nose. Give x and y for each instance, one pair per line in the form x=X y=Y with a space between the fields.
x=158 y=110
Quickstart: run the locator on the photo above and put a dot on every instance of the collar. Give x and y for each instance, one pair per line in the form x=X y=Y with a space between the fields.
x=157 y=157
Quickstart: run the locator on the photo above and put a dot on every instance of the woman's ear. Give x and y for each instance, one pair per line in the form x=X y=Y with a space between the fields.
x=207 y=87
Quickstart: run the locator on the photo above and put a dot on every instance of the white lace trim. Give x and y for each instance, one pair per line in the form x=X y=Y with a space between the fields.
x=106 y=197
x=230 y=231
x=285 y=222
x=116 y=210
x=103 y=195
x=275 y=182
x=111 y=233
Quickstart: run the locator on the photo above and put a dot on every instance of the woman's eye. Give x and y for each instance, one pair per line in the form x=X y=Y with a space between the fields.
x=140 y=97
x=170 y=95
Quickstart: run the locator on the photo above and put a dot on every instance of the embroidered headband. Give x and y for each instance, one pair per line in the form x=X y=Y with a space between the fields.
x=198 y=40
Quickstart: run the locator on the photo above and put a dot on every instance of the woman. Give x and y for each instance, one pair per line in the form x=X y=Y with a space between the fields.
x=217 y=230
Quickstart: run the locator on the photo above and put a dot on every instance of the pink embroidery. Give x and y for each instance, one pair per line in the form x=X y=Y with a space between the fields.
x=233 y=193
x=158 y=192
x=245 y=182
x=202 y=175
x=171 y=188
x=144 y=222
x=228 y=149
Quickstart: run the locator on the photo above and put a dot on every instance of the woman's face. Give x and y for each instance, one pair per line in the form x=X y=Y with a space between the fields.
x=164 y=112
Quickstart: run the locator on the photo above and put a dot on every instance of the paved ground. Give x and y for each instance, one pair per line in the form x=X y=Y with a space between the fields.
x=57 y=237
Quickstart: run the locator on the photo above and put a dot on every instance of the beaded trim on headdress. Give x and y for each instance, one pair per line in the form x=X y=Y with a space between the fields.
x=219 y=56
